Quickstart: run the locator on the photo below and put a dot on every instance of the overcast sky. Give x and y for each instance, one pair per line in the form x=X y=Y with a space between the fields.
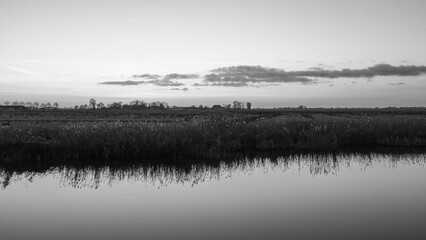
x=62 y=50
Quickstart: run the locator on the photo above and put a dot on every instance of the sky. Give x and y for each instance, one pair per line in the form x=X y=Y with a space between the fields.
x=67 y=51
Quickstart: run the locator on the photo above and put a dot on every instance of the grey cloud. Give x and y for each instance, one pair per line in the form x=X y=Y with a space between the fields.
x=200 y=84
x=181 y=76
x=166 y=83
x=123 y=83
x=398 y=84
x=376 y=70
x=257 y=76
x=149 y=76
x=155 y=79
x=316 y=69
x=157 y=82
x=180 y=89
x=243 y=76
x=230 y=84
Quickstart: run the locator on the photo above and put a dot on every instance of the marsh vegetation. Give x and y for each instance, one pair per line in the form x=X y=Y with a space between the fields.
x=74 y=136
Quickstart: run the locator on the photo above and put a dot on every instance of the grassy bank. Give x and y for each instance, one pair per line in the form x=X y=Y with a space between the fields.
x=211 y=138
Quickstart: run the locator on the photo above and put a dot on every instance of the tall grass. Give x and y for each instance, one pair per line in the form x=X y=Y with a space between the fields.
x=211 y=139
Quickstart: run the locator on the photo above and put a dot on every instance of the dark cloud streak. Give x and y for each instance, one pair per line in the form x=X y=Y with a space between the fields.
x=377 y=70
x=123 y=83
x=242 y=76
x=257 y=76
x=181 y=76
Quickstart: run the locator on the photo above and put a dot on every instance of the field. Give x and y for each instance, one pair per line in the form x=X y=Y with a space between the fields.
x=54 y=137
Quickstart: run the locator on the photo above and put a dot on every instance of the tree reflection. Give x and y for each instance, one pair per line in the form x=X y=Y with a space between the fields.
x=162 y=175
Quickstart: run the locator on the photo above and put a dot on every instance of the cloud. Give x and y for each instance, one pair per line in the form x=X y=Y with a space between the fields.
x=157 y=82
x=181 y=76
x=316 y=69
x=244 y=76
x=231 y=84
x=398 y=84
x=376 y=70
x=257 y=76
x=200 y=84
x=180 y=89
x=149 y=76
x=123 y=83
x=165 y=83
x=155 y=79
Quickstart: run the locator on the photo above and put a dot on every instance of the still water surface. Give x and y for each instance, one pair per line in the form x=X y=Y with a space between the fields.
x=357 y=196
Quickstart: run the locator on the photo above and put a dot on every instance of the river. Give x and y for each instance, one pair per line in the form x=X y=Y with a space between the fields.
x=303 y=196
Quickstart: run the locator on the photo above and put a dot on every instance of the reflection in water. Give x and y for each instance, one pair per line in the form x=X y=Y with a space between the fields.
x=299 y=196
x=192 y=174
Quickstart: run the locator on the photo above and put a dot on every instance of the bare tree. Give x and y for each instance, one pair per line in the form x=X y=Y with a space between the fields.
x=100 y=105
x=235 y=104
x=92 y=103
x=115 y=105
x=227 y=106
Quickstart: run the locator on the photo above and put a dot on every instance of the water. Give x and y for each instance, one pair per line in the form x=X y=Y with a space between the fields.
x=357 y=196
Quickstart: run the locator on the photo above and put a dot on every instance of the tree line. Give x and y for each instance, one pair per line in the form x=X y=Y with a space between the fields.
x=133 y=105
x=32 y=104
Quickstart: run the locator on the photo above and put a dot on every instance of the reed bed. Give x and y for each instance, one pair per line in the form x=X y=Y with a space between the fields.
x=75 y=142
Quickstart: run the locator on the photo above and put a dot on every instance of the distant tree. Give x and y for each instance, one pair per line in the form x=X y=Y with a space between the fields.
x=21 y=103
x=115 y=105
x=201 y=106
x=100 y=105
x=248 y=105
x=29 y=104
x=15 y=103
x=227 y=106
x=76 y=107
x=36 y=104
x=235 y=104
x=7 y=103
x=48 y=105
x=43 y=105
x=137 y=103
x=92 y=103
x=55 y=105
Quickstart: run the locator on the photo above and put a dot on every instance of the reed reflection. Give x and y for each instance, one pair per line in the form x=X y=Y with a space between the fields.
x=191 y=174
